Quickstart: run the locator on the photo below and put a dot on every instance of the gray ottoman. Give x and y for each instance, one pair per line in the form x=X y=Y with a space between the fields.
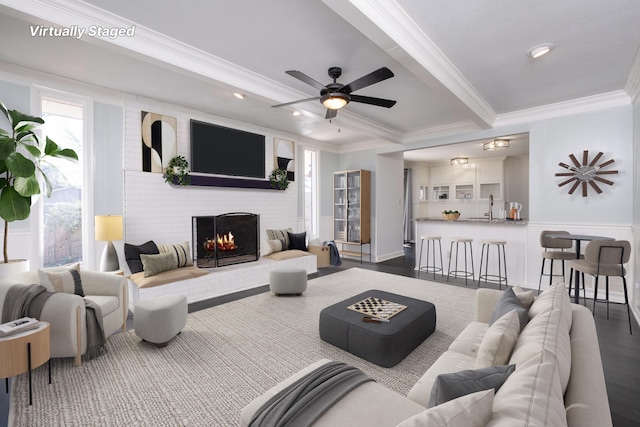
x=159 y=319
x=384 y=343
x=288 y=281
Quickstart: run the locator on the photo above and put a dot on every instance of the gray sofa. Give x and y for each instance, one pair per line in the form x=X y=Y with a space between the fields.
x=66 y=312
x=558 y=379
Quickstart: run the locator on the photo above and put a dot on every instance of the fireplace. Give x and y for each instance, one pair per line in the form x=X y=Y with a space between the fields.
x=226 y=239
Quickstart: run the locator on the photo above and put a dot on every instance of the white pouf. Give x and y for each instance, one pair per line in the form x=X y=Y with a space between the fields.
x=288 y=281
x=159 y=319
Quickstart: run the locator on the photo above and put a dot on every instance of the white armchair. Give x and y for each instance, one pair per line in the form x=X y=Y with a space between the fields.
x=66 y=313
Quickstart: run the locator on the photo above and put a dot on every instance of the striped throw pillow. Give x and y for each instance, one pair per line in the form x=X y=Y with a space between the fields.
x=280 y=235
x=181 y=252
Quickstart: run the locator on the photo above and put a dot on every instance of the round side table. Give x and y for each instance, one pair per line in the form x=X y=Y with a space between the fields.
x=25 y=351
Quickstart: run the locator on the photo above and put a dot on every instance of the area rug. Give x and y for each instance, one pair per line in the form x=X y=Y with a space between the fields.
x=225 y=357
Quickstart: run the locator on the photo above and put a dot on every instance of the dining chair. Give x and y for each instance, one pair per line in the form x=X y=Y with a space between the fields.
x=554 y=249
x=605 y=258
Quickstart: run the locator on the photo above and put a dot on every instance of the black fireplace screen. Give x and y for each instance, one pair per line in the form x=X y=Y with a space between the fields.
x=226 y=239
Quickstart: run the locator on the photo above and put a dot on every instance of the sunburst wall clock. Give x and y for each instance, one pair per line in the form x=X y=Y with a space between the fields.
x=586 y=174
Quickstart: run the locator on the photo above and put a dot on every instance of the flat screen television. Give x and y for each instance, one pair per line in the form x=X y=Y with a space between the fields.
x=219 y=150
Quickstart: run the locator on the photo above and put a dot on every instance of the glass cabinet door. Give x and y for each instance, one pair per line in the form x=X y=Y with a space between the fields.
x=340 y=206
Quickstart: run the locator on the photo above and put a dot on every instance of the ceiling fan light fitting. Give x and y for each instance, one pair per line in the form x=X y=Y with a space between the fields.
x=540 y=50
x=335 y=101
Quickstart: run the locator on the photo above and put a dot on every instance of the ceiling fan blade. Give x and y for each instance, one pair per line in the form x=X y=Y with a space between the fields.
x=380 y=102
x=315 y=98
x=364 y=81
x=304 y=78
x=331 y=114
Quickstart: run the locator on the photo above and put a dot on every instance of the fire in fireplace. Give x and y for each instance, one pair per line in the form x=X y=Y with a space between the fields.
x=225 y=243
x=236 y=239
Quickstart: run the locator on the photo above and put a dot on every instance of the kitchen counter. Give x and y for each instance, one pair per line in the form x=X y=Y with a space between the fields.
x=475 y=221
x=513 y=232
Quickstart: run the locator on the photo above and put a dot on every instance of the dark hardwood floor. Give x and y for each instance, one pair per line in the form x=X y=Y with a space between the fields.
x=619 y=350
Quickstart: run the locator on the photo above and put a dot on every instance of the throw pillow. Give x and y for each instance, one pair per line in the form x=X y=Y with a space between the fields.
x=526 y=297
x=507 y=302
x=451 y=386
x=472 y=410
x=280 y=235
x=44 y=279
x=298 y=241
x=132 y=254
x=498 y=342
x=67 y=281
x=154 y=264
x=181 y=253
x=273 y=246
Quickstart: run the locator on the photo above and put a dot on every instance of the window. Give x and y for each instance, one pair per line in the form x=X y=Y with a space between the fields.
x=62 y=212
x=311 y=191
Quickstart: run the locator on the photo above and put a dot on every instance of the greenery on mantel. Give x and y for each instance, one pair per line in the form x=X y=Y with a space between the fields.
x=21 y=172
x=278 y=178
x=177 y=171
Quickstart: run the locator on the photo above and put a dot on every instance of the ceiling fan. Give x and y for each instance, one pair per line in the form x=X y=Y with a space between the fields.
x=336 y=95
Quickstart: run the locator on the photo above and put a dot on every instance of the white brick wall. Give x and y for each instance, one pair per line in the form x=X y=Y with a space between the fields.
x=155 y=210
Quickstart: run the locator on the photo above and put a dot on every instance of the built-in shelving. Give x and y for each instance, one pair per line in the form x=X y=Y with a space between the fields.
x=352 y=210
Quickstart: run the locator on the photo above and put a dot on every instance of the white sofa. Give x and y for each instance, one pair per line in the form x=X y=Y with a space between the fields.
x=558 y=379
x=66 y=312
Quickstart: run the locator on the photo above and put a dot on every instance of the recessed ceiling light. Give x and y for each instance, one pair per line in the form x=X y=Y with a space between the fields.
x=296 y=113
x=541 y=49
x=238 y=95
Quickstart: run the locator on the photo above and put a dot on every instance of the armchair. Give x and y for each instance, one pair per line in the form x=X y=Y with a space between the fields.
x=66 y=313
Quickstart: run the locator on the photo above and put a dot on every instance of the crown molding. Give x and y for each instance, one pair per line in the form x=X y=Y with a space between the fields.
x=403 y=39
x=632 y=86
x=575 y=106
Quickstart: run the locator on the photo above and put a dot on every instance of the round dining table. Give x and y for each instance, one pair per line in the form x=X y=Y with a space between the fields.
x=578 y=238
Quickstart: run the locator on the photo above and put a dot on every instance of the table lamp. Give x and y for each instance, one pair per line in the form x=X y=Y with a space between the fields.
x=109 y=228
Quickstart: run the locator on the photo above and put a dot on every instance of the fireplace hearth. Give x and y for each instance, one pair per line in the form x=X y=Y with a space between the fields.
x=226 y=239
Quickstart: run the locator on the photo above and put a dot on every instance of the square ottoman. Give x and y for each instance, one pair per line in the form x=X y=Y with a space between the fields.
x=383 y=343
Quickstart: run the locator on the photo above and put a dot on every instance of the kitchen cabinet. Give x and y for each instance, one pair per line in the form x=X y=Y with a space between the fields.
x=440 y=175
x=464 y=174
x=352 y=209
x=491 y=179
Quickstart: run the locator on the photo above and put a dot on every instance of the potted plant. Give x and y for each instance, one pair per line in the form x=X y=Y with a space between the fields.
x=21 y=174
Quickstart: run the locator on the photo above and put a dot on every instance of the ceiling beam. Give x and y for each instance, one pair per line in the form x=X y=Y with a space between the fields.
x=159 y=49
x=385 y=23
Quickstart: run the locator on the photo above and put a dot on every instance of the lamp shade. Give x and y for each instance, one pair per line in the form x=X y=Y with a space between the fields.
x=108 y=227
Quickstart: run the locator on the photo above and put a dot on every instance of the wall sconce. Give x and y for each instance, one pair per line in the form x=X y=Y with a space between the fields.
x=496 y=144
x=109 y=228
x=459 y=160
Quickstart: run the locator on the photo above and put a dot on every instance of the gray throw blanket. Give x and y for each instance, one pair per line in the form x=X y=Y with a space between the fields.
x=28 y=301
x=304 y=401
x=334 y=253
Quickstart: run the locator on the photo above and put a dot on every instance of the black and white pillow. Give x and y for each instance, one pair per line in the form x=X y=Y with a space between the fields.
x=280 y=235
x=62 y=280
x=180 y=251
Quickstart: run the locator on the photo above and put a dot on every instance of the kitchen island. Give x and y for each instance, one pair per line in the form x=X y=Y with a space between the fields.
x=513 y=232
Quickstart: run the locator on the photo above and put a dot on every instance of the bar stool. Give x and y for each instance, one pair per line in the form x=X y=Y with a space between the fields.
x=466 y=242
x=502 y=264
x=552 y=253
x=431 y=245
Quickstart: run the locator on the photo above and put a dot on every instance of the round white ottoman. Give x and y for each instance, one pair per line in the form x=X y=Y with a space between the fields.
x=288 y=281
x=159 y=319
